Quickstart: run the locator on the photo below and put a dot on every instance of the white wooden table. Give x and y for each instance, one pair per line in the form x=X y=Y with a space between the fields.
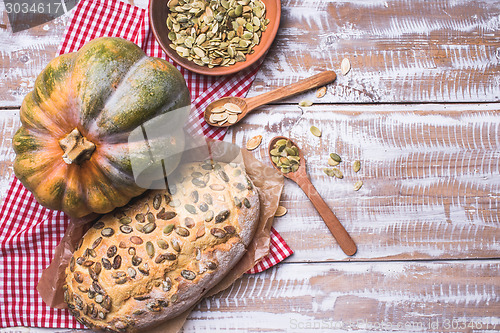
x=420 y=108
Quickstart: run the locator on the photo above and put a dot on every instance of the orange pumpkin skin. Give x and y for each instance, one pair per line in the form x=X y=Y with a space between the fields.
x=98 y=95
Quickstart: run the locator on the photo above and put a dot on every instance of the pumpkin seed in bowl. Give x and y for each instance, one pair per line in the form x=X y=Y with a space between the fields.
x=215 y=33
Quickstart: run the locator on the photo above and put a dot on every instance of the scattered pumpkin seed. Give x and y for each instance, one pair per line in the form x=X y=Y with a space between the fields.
x=337 y=173
x=198 y=183
x=321 y=92
x=356 y=166
x=203 y=207
x=144 y=269
x=254 y=142
x=328 y=172
x=345 y=66
x=335 y=157
x=280 y=211
x=358 y=185
x=169 y=256
x=315 y=131
x=332 y=162
x=139 y=227
x=194 y=196
x=223 y=175
x=208 y=198
x=305 y=103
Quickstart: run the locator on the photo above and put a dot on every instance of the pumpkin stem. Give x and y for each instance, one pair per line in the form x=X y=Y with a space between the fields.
x=76 y=147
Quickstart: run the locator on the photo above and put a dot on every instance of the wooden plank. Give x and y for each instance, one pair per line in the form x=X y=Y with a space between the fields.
x=400 y=51
x=362 y=296
x=431 y=174
x=9 y=123
x=367 y=297
x=24 y=54
x=431 y=179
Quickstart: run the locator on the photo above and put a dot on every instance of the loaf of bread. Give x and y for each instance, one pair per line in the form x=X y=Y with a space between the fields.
x=151 y=260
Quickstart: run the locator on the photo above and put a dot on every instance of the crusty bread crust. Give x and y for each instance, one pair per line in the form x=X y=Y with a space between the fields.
x=145 y=263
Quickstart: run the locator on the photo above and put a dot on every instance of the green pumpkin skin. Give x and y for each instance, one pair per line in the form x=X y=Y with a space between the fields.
x=106 y=90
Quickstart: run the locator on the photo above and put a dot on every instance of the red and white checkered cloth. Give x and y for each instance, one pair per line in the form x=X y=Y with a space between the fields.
x=29 y=233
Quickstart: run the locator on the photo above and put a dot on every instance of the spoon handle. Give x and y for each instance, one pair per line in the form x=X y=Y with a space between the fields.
x=314 y=81
x=332 y=222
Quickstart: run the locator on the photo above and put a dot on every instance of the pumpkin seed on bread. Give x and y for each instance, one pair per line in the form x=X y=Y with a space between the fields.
x=151 y=260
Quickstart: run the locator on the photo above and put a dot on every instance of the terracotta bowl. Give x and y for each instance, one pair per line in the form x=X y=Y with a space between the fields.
x=158 y=12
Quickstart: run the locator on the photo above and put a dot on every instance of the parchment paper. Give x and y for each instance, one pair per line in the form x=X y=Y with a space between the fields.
x=266 y=179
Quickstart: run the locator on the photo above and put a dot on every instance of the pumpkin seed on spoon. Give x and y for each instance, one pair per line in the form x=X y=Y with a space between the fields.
x=242 y=106
x=277 y=150
x=286 y=156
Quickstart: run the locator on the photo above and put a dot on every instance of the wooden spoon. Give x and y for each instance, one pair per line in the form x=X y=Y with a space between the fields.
x=302 y=179
x=249 y=104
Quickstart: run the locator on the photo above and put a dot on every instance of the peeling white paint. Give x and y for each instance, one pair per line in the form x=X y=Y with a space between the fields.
x=441 y=171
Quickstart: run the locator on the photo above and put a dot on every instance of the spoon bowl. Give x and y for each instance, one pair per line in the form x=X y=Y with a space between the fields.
x=301 y=171
x=247 y=105
x=241 y=102
x=302 y=179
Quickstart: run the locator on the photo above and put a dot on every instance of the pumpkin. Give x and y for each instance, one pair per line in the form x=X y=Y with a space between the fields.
x=76 y=148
